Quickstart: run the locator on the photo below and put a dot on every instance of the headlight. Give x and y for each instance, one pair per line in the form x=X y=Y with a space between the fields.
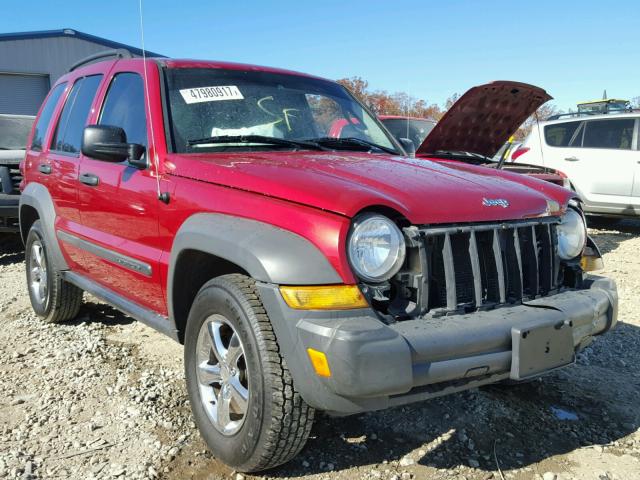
x=572 y=235
x=376 y=248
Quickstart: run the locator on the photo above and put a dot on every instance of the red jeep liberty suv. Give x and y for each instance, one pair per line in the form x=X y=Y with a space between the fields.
x=301 y=271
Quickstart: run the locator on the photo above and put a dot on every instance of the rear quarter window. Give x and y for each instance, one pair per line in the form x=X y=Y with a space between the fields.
x=560 y=134
x=42 y=125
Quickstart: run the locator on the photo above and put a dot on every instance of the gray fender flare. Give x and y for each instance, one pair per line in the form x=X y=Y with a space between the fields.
x=37 y=196
x=268 y=253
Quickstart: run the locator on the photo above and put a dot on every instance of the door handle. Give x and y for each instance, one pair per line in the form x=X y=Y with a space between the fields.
x=89 y=179
x=572 y=159
x=44 y=168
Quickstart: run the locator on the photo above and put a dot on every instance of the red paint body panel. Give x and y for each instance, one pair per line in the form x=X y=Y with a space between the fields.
x=324 y=230
x=421 y=190
x=189 y=63
x=312 y=194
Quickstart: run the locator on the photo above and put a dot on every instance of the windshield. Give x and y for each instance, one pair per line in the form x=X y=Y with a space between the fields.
x=14 y=131
x=415 y=130
x=208 y=103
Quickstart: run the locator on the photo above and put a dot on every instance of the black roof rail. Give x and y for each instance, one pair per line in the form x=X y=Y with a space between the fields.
x=117 y=53
x=559 y=116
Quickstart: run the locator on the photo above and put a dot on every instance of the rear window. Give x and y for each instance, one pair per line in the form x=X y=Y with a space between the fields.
x=612 y=134
x=74 y=115
x=42 y=125
x=559 y=135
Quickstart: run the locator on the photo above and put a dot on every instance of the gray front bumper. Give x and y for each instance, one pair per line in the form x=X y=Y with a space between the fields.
x=9 y=212
x=374 y=365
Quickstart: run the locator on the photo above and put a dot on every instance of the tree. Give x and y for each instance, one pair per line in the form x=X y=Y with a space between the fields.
x=451 y=100
x=401 y=103
x=357 y=86
x=544 y=112
x=382 y=102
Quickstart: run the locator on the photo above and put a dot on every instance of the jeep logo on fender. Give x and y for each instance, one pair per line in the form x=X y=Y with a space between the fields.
x=495 y=202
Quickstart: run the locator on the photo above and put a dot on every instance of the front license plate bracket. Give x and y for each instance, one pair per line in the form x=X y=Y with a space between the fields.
x=538 y=349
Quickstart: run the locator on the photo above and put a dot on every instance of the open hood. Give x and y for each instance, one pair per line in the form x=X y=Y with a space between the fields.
x=484 y=118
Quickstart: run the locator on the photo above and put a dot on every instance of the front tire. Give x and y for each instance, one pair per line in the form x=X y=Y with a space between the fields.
x=241 y=391
x=53 y=299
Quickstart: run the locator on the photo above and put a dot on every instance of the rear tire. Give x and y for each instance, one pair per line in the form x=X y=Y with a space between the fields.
x=242 y=395
x=53 y=299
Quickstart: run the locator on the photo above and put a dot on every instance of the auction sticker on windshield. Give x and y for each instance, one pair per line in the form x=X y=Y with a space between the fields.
x=211 y=94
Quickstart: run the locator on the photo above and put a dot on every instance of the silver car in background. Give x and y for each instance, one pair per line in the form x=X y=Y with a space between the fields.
x=14 y=131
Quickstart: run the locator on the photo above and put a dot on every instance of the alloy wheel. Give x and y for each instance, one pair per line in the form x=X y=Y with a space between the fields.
x=38 y=272
x=222 y=374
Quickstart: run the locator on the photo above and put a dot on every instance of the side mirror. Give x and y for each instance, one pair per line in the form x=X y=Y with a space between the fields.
x=109 y=143
x=408 y=146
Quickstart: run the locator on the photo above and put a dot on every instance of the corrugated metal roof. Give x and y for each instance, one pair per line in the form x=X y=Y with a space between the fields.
x=69 y=32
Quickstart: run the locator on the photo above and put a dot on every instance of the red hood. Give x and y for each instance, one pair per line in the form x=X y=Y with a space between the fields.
x=421 y=190
x=484 y=118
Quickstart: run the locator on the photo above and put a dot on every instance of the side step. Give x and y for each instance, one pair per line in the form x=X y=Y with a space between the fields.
x=150 y=318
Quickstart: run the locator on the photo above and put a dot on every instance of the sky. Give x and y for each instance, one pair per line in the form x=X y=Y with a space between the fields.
x=429 y=49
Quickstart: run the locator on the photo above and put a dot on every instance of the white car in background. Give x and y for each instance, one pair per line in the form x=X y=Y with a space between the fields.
x=598 y=153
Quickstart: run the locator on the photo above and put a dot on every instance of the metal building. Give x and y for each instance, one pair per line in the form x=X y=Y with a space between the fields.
x=30 y=62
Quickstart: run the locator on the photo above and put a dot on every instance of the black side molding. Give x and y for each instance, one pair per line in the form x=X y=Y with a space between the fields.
x=150 y=318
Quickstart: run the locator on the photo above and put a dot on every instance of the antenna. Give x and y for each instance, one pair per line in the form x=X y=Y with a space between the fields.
x=163 y=197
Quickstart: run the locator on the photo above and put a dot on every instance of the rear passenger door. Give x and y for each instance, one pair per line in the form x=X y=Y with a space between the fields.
x=563 y=142
x=61 y=164
x=119 y=208
x=607 y=162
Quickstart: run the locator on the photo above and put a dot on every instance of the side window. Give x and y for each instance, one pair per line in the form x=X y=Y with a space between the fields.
x=614 y=134
x=74 y=115
x=124 y=107
x=560 y=134
x=45 y=117
x=576 y=141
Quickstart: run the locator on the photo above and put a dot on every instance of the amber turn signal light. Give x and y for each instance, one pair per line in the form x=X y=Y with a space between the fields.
x=319 y=362
x=591 y=259
x=324 y=297
x=591 y=264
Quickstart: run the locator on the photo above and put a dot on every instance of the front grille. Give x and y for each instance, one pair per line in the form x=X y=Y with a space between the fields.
x=10 y=178
x=16 y=178
x=480 y=266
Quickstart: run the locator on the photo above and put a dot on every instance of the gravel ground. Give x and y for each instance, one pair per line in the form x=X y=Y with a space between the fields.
x=103 y=397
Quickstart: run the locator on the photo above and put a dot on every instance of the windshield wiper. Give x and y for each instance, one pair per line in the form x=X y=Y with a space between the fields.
x=256 y=139
x=353 y=141
x=460 y=154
